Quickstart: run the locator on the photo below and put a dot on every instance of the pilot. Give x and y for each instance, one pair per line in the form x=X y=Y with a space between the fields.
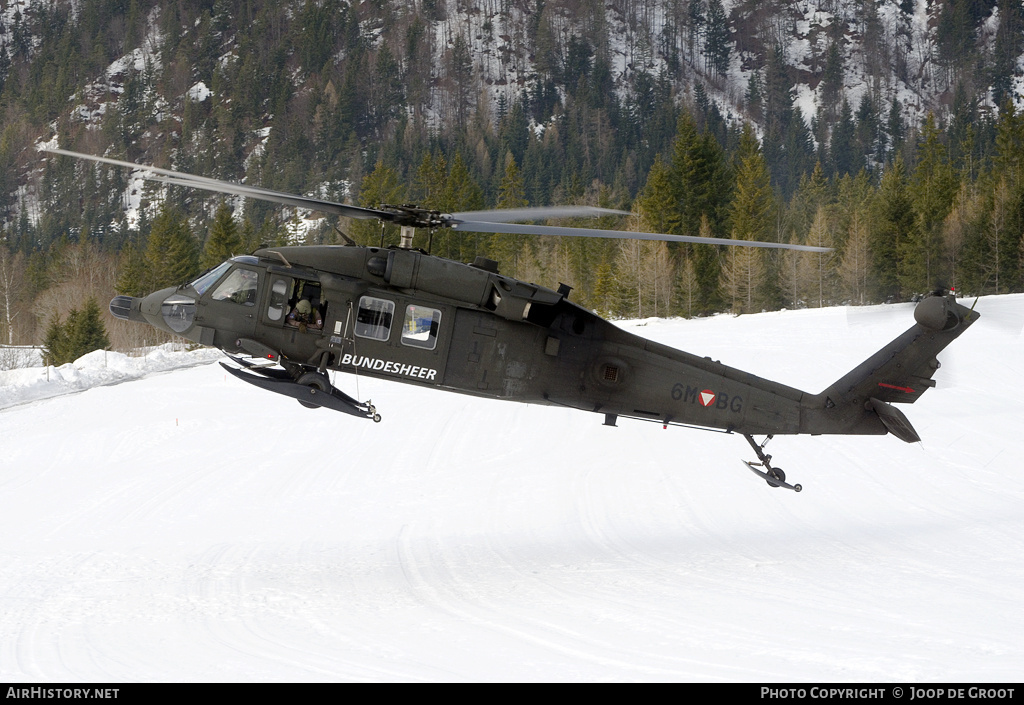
x=305 y=316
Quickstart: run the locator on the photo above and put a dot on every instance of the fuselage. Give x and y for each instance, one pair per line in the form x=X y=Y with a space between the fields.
x=411 y=317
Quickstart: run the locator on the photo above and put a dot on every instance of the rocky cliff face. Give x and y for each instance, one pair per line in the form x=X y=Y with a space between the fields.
x=216 y=86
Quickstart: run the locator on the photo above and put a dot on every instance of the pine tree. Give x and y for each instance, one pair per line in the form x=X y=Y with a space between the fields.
x=248 y=237
x=696 y=20
x=707 y=270
x=702 y=179
x=86 y=331
x=869 y=146
x=224 y=241
x=896 y=128
x=716 y=49
x=460 y=80
x=752 y=214
x=431 y=180
x=844 y=156
x=955 y=33
x=893 y=228
x=932 y=188
x=511 y=194
x=132 y=278
x=54 y=342
x=461 y=193
x=800 y=155
x=388 y=96
x=681 y=218
x=752 y=209
x=755 y=95
x=1009 y=157
x=1009 y=39
x=778 y=112
x=512 y=191
x=657 y=202
x=831 y=82
x=379 y=187
x=604 y=289
x=82 y=333
x=630 y=299
x=172 y=253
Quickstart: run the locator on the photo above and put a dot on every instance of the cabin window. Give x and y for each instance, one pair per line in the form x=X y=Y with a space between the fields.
x=373 y=319
x=239 y=287
x=420 y=327
x=278 y=300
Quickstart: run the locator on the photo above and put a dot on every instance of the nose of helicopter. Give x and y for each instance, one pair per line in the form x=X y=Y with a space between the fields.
x=127 y=308
x=167 y=309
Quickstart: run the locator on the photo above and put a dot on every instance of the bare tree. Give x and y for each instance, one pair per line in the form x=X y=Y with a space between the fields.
x=956 y=227
x=11 y=284
x=853 y=269
x=824 y=263
x=993 y=264
x=743 y=274
x=686 y=287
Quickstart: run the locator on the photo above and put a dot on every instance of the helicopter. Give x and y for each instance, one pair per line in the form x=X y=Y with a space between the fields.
x=287 y=315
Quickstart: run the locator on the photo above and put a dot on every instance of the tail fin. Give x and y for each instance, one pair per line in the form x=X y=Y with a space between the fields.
x=859 y=402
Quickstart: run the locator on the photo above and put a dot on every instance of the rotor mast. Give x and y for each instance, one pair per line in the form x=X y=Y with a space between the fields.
x=408 y=232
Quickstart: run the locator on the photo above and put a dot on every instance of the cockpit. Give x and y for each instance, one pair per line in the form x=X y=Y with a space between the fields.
x=212 y=276
x=241 y=286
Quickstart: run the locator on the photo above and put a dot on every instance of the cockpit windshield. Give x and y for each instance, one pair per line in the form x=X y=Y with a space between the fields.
x=209 y=279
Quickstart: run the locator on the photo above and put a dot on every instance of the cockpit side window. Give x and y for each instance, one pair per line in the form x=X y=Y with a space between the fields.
x=240 y=287
x=210 y=278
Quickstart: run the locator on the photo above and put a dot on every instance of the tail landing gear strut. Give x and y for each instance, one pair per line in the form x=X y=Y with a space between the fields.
x=773 y=476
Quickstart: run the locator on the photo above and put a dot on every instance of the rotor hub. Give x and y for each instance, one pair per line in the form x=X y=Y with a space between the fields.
x=411 y=216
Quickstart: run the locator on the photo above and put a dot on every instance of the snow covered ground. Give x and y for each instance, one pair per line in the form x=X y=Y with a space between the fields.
x=186 y=526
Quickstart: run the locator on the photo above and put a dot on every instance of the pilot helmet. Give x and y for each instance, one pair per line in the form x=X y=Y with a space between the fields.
x=304 y=307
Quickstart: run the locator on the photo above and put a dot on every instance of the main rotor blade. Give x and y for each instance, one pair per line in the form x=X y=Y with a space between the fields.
x=179 y=178
x=510 y=215
x=495 y=221
x=285 y=199
x=515 y=229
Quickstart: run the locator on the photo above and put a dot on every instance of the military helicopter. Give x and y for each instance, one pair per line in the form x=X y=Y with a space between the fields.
x=287 y=315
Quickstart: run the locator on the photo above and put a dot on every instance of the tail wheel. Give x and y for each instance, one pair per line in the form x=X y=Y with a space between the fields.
x=316 y=381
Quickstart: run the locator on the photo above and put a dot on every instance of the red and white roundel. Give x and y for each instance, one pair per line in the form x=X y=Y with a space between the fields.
x=707 y=398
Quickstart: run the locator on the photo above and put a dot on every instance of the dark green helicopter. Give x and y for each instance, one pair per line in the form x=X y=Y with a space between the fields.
x=402 y=314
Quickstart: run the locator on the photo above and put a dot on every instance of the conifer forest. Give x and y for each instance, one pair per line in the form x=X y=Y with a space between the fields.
x=891 y=131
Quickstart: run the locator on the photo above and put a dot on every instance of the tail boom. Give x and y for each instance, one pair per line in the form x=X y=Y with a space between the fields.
x=860 y=401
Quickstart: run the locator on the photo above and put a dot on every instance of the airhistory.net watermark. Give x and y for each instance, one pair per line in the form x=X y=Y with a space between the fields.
x=63 y=693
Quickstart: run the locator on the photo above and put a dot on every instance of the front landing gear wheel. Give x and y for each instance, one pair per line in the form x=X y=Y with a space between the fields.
x=316 y=381
x=775 y=474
